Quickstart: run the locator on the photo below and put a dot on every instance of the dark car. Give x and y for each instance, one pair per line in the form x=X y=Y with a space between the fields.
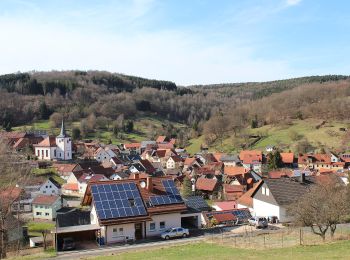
x=68 y=244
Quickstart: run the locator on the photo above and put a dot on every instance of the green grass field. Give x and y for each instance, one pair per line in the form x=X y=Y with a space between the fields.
x=328 y=135
x=145 y=128
x=35 y=228
x=337 y=250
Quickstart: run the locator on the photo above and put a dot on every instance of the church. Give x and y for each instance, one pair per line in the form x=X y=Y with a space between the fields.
x=55 y=148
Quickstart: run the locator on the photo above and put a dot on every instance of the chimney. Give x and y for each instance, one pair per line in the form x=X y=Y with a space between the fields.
x=149 y=184
x=136 y=176
x=302 y=177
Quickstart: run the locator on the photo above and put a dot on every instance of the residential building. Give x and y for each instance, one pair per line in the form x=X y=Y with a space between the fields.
x=50 y=187
x=46 y=206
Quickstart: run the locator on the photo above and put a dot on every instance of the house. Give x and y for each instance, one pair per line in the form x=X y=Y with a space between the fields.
x=46 y=206
x=246 y=200
x=65 y=170
x=101 y=155
x=287 y=159
x=251 y=159
x=320 y=161
x=55 y=148
x=133 y=209
x=15 y=199
x=273 y=196
x=191 y=162
x=133 y=147
x=232 y=192
x=174 y=162
x=224 y=205
x=50 y=187
x=207 y=186
x=85 y=178
x=230 y=160
x=71 y=187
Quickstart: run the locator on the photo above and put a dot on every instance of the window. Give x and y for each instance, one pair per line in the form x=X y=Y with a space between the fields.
x=47 y=153
x=263 y=190
x=41 y=206
x=46 y=186
x=50 y=186
x=44 y=191
x=54 y=153
x=115 y=230
x=121 y=231
x=47 y=214
x=152 y=226
x=38 y=213
x=162 y=225
x=267 y=192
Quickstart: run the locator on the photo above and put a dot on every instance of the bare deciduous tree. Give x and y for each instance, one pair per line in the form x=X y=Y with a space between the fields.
x=323 y=208
x=14 y=169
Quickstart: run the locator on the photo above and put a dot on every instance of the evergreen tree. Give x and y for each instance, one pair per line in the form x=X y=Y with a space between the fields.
x=186 y=189
x=44 y=111
x=76 y=133
x=275 y=160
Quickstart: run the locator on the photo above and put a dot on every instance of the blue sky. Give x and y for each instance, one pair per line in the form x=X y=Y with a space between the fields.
x=185 y=41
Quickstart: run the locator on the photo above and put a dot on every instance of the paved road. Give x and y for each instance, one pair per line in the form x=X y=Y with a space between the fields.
x=119 y=249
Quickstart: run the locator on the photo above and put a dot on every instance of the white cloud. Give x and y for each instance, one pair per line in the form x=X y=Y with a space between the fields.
x=293 y=2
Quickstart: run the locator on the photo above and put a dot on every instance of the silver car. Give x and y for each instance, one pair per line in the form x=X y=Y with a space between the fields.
x=175 y=232
x=258 y=222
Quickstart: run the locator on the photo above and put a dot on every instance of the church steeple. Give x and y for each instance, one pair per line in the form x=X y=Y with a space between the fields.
x=63 y=131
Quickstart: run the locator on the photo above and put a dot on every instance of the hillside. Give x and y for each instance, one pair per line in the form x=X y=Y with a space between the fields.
x=117 y=108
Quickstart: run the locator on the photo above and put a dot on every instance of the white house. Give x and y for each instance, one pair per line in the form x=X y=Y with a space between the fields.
x=55 y=148
x=124 y=213
x=46 y=206
x=50 y=187
x=273 y=196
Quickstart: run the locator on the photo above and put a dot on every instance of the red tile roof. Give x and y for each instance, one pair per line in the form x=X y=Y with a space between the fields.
x=233 y=188
x=226 y=205
x=45 y=199
x=206 y=184
x=316 y=158
x=246 y=199
x=250 y=156
x=49 y=141
x=287 y=157
x=234 y=170
x=224 y=217
x=87 y=178
x=132 y=145
x=161 y=139
x=189 y=161
x=70 y=186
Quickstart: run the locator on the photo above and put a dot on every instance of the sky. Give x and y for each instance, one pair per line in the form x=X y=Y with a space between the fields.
x=184 y=41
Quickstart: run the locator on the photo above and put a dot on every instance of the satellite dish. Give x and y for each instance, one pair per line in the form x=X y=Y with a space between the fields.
x=143 y=184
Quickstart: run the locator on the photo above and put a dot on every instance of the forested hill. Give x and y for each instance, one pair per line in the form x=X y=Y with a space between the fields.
x=107 y=99
x=42 y=83
x=256 y=90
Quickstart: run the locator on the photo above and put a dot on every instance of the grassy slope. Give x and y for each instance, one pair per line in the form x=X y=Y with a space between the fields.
x=338 y=250
x=328 y=135
x=143 y=128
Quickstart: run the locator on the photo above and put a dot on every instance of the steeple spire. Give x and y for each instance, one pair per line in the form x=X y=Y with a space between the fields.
x=63 y=130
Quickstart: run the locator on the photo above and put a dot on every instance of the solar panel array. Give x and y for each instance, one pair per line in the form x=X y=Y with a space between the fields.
x=117 y=200
x=172 y=195
x=241 y=214
x=196 y=202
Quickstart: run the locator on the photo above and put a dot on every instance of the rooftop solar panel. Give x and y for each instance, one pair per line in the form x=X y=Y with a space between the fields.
x=117 y=200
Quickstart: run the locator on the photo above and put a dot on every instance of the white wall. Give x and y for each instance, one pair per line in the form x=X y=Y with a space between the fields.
x=48 y=188
x=171 y=220
x=64 y=148
x=47 y=212
x=264 y=209
x=127 y=232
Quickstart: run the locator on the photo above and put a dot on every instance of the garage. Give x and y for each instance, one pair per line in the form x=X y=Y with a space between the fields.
x=83 y=236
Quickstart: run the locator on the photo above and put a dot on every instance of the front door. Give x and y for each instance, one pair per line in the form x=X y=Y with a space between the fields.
x=138 y=231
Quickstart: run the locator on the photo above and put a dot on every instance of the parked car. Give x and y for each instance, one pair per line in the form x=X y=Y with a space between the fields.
x=175 y=232
x=68 y=244
x=258 y=222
